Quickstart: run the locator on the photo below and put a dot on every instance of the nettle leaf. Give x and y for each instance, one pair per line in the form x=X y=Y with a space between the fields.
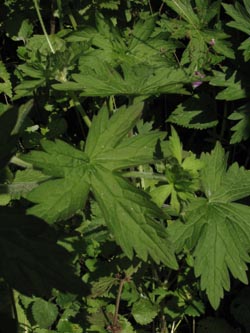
x=198 y=112
x=103 y=285
x=216 y=229
x=144 y=311
x=129 y=212
x=44 y=313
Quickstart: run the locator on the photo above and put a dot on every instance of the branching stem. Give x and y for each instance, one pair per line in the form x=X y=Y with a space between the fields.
x=117 y=304
x=115 y=328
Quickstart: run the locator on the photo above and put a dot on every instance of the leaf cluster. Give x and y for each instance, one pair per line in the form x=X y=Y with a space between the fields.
x=111 y=219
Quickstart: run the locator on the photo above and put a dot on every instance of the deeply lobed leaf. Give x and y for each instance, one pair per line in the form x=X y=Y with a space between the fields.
x=130 y=215
x=216 y=229
x=129 y=212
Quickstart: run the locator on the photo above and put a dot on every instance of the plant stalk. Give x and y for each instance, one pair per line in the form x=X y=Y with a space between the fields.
x=43 y=26
x=117 y=305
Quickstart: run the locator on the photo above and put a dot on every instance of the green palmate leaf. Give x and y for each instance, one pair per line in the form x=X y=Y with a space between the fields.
x=245 y=46
x=233 y=87
x=195 y=25
x=138 y=45
x=133 y=151
x=241 y=18
x=240 y=15
x=105 y=135
x=216 y=229
x=184 y=9
x=215 y=171
x=207 y=9
x=155 y=50
x=44 y=313
x=106 y=144
x=24 y=182
x=31 y=261
x=175 y=145
x=129 y=214
x=101 y=79
x=60 y=198
x=196 y=112
x=142 y=31
x=58 y=158
x=181 y=176
x=196 y=52
x=247 y=5
x=127 y=210
x=242 y=128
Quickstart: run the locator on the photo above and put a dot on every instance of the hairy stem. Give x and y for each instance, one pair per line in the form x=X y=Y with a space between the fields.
x=117 y=305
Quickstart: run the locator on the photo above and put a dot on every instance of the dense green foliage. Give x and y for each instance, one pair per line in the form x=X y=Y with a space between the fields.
x=124 y=166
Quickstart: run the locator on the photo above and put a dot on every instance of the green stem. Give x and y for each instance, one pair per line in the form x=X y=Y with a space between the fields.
x=59 y=7
x=150 y=7
x=75 y=99
x=80 y=108
x=147 y=175
x=73 y=21
x=14 y=299
x=17 y=161
x=164 y=328
x=142 y=179
x=42 y=25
